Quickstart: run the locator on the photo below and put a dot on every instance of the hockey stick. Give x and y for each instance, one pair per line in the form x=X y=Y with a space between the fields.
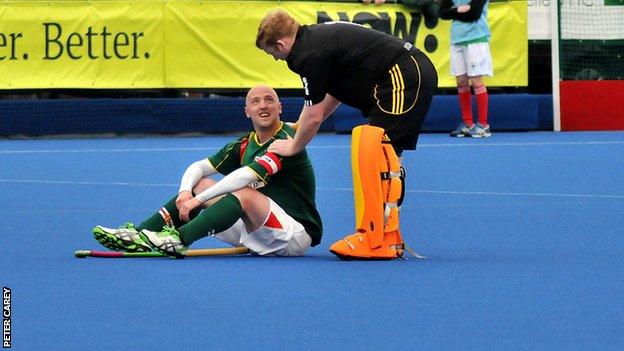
x=190 y=253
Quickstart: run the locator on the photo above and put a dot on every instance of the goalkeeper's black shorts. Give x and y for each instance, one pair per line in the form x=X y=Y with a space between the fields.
x=402 y=99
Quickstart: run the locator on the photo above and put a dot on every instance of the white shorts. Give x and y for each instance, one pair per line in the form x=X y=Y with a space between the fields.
x=472 y=59
x=280 y=235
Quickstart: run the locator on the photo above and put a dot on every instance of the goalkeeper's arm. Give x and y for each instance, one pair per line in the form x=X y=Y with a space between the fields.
x=330 y=104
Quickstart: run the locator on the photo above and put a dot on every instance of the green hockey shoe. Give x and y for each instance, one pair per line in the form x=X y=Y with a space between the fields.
x=166 y=241
x=125 y=238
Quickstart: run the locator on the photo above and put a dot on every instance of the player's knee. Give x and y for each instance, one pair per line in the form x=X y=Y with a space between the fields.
x=476 y=81
x=244 y=197
x=463 y=81
x=252 y=200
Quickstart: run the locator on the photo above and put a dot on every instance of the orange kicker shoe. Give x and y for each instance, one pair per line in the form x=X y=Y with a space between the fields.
x=357 y=247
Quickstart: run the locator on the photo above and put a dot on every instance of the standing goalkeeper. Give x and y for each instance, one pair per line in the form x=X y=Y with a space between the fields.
x=386 y=78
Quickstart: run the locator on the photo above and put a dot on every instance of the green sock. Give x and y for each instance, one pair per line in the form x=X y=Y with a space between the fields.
x=214 y=219
x=157 y=220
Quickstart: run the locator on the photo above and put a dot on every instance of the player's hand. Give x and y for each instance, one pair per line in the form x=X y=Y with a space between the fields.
x=183 y=197
x=463 y=8
x=187 y=207
x=283 y=147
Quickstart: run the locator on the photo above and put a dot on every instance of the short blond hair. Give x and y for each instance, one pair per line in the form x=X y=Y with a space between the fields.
x=275 y=25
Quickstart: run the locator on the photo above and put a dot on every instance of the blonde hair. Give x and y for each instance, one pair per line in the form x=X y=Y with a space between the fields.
x=275 y=25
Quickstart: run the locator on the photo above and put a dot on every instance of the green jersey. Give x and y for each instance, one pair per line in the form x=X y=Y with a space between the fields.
x=288 y=181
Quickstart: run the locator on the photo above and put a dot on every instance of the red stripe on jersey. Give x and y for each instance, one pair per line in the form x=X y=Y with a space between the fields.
x=243 y=147
x=273 y=222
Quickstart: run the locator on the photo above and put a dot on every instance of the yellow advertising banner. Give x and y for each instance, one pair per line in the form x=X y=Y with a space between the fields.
x=207 y=44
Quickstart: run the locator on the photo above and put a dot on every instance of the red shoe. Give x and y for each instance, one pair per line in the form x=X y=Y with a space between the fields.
x=357 y=247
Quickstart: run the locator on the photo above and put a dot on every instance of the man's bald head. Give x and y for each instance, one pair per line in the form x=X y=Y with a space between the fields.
x=260 y=90
x=262 y=105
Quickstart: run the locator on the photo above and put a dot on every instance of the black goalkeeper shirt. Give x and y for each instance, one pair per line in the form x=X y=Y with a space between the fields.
x=344 y=60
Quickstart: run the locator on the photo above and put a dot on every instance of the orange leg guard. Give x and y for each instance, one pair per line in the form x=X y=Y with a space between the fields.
x=367 y=191
x=377 y=187
x=392 y=185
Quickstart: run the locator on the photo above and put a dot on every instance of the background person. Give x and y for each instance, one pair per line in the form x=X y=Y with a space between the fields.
x=470 y=61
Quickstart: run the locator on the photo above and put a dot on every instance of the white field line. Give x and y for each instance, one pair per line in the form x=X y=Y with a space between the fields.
x=68 y=182
x=562 y=143
x=70 y=151
x=77 y=210
x=491 y=193
x=312 y=147
x=448 y=192
x=515 y=194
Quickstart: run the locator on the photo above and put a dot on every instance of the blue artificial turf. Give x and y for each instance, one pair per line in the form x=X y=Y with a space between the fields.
x=523 y=234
